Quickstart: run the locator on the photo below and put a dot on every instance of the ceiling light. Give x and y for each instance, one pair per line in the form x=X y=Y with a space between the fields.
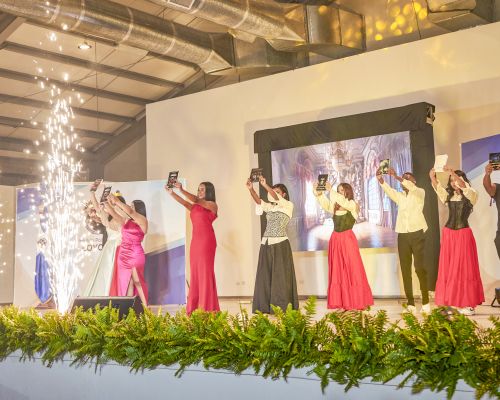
x=84 y=46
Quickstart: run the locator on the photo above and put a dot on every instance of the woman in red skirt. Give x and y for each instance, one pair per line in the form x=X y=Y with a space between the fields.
x=203 y=212
x=348 y=288
x=459 y=282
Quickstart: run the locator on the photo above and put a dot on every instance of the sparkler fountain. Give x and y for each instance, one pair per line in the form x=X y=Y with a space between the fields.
x=63 y=252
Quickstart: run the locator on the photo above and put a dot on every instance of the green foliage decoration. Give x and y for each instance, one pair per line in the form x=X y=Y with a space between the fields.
x=434 y=352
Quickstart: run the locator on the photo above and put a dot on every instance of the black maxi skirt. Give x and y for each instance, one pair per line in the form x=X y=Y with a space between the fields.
x=275 y=282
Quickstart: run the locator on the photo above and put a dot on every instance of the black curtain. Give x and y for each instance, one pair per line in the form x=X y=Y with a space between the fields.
x=413 y=118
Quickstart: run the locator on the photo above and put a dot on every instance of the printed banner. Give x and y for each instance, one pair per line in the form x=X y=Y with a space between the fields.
x=164 y=245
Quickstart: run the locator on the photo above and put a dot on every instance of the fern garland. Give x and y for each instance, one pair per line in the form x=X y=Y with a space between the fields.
x=433 y=353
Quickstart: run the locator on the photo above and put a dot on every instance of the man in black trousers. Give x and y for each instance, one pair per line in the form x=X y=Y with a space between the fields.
x=411 y=227
x=492 y=189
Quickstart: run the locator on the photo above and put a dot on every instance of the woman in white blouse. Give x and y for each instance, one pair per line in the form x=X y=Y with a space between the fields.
x=459 y=282
x=275 y=282
x=348 y=288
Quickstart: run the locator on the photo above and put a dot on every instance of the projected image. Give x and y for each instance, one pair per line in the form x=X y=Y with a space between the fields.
x=353 y=161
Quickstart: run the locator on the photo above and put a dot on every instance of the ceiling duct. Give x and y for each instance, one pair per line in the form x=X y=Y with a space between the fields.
x=454 y=15
x=124 y=25
x=326 y=29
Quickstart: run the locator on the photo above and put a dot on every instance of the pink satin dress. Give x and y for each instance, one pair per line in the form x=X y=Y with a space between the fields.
x=131 y=255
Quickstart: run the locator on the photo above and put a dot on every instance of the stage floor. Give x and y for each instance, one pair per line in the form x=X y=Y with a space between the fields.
x=392 y=306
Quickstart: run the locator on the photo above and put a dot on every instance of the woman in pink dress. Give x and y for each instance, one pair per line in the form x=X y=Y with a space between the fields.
x=203 y=212
x=131 y=258
x=348 y=288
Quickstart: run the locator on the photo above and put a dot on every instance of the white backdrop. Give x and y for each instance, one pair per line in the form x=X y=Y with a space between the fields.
x=209 y=135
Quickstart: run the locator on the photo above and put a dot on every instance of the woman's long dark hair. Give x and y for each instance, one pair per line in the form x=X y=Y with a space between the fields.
x=140 y=207
x=348 y=194
x=209 y=191
x=284 y=189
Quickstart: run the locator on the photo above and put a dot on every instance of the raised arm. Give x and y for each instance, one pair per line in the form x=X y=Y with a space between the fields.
x=460 y=182
x=268 y=188
x=103 y=215
x=139 y=218
x=391 y=192
x=323 y=201
x=93 y=189
x=108 y=208
x=253 y=193
x=434 y=181
x=488 y=186
x=209 y=205
x=178 y=198
x=190 y=196
x=442 y=194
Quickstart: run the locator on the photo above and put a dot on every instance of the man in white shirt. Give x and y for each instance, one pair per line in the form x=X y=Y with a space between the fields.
x=411 y=227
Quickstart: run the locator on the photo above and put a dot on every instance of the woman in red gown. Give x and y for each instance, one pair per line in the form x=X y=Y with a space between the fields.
x=203 y=211
x=348 y=287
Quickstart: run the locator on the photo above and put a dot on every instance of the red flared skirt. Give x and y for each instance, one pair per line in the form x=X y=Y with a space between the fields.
x=459 y=281
x=348 y=287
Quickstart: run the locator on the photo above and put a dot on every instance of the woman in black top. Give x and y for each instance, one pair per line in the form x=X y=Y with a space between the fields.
x=348 y=288
x=459 y=282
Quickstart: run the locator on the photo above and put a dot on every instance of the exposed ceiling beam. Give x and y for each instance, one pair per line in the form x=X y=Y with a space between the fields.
x=21 y=145
x=24 y=101
x=24 y=123
x=23 y=166
x=8 y=24
x=22 y=77
x=78 y=62
x=8 y=179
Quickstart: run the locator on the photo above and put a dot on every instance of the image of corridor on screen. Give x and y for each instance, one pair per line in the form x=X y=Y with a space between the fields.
x=353 y=161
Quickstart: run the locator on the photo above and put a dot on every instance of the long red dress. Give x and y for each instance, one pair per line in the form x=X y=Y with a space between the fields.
x=131 y=255
x=202 y=289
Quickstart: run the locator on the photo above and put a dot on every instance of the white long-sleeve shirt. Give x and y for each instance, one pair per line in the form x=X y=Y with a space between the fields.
x=410 y=207
x=467 y=191
x=328 y=204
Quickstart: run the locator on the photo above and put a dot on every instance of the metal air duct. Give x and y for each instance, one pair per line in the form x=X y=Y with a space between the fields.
x=326 y=29
x=121 y=24
x=454 y=15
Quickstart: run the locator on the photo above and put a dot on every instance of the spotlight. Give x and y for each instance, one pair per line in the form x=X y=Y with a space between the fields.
x=84 y=46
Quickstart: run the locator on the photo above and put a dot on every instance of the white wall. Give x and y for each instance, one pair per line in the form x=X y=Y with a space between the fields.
x=129 y=165
x=7 y=232
x=209 y=135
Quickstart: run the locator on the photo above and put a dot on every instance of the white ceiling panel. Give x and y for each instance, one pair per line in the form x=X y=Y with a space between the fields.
x=17 y=111
x=111 y=106
x=27 y=134
x=94 y=124
x=59 y=42
x=163 y=69
x=100 y=80
x=123 y=57
x=5 y=130
x=16 y=88
x=31 y=65
x=134 y=88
